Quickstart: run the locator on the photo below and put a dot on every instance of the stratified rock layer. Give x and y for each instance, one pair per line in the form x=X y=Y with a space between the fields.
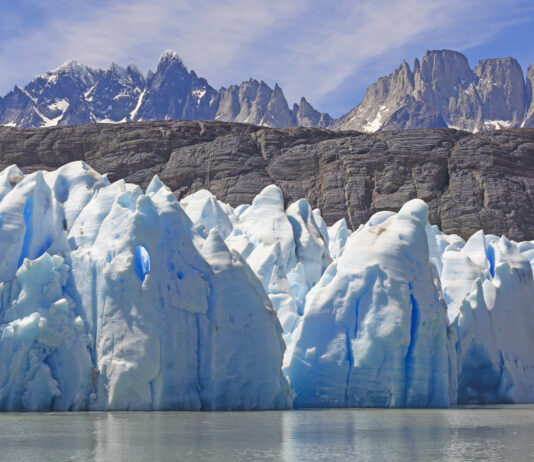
x=469 y=181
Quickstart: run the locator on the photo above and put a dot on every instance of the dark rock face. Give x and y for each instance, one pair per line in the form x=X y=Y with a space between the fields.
x=172 y=92
x=115 y=94
x=470 y=181
x=501 y=86
x=307 y=116
x=255 y=103
x=414 y=115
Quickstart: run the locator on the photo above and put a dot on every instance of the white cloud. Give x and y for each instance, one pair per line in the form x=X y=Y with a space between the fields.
x=315 y=48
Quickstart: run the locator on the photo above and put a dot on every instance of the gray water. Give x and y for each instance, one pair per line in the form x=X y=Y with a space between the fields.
x=484 y=434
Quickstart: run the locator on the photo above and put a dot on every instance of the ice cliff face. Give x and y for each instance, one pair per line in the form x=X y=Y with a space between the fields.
x=107 y=304
x=396 y=314
x=115 y=298
x=374 y=330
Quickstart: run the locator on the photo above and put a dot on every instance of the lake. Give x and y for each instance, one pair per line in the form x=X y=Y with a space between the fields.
x=500 y=433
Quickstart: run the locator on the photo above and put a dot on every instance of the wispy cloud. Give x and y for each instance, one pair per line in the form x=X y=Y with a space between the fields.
x=325 y=50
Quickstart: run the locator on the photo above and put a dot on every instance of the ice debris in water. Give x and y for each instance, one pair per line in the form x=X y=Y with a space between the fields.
x=111 y=298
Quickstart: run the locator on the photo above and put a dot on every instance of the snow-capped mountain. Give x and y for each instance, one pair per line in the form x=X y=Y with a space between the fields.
x=77 y=94
x=443 y=91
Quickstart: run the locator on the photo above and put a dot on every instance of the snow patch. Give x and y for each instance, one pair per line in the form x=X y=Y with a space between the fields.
x=133 y=114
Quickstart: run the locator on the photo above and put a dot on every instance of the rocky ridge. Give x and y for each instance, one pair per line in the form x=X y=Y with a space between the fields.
x=470 y=181
x=439 y=91
x=76 y=94
x=443 y=91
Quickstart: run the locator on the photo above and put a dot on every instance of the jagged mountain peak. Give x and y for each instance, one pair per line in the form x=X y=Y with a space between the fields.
x=443 y=54
x=75 y=69
x=443 y=90
x=132 y=68
x=170 y=56
x=70 y=65
x=117 y=68
x=404 y=66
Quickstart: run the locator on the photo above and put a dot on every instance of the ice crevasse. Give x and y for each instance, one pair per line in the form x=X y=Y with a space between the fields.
x=115 y=298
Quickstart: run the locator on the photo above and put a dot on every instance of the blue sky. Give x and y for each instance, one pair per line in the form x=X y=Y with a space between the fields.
x=326 y=50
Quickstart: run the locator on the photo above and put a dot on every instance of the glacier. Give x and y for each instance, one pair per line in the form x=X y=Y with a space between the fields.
x=106 y=303
x=115 y=298
x=394 y=314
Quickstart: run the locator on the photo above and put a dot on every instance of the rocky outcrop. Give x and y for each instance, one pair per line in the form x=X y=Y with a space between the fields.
x=307 y=116
x=255 y=103
x=172 y=92
x=501 y=87
x=470 y=181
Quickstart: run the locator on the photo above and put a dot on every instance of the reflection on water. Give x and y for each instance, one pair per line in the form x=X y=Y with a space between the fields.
x=485 y=434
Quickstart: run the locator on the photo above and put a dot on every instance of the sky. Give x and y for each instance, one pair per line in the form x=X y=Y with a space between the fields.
x=326 y=50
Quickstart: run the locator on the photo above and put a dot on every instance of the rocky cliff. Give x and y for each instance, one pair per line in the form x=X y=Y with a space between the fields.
x=470 y=181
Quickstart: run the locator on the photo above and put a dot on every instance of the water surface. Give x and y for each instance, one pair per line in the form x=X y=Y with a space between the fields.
x=483 y=434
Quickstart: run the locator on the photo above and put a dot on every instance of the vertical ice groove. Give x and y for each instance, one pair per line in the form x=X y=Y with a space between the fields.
x=350 y=360
x=28 y=233
x=141 y=262
x=356 y=314
x=490 y=254
x=414 y=325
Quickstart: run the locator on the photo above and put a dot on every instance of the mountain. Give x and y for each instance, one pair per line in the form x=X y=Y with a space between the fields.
x=443 y=91
x=76 y=94
x=440 y=91
x=529 y=118
x=469 y=181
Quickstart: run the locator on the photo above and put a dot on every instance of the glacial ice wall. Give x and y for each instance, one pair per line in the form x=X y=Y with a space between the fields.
x=106 y=303
x=374 y=330
x=115 y=298
x=395 y=314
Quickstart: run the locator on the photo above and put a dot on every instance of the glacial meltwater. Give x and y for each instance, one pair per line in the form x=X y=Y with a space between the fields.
x=503 y=433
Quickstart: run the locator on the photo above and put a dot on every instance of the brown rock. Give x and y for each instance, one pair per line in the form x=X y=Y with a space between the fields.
x=470 y=181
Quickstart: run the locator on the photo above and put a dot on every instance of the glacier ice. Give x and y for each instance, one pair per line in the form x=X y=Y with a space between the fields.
x=488 y=283
x=374 y=330
x=106 y=303
x=286 y=249
x=400 y=315
x=115 y=298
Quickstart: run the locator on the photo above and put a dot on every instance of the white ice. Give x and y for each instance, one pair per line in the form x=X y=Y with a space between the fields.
x=112 y=297
x=106 y=303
